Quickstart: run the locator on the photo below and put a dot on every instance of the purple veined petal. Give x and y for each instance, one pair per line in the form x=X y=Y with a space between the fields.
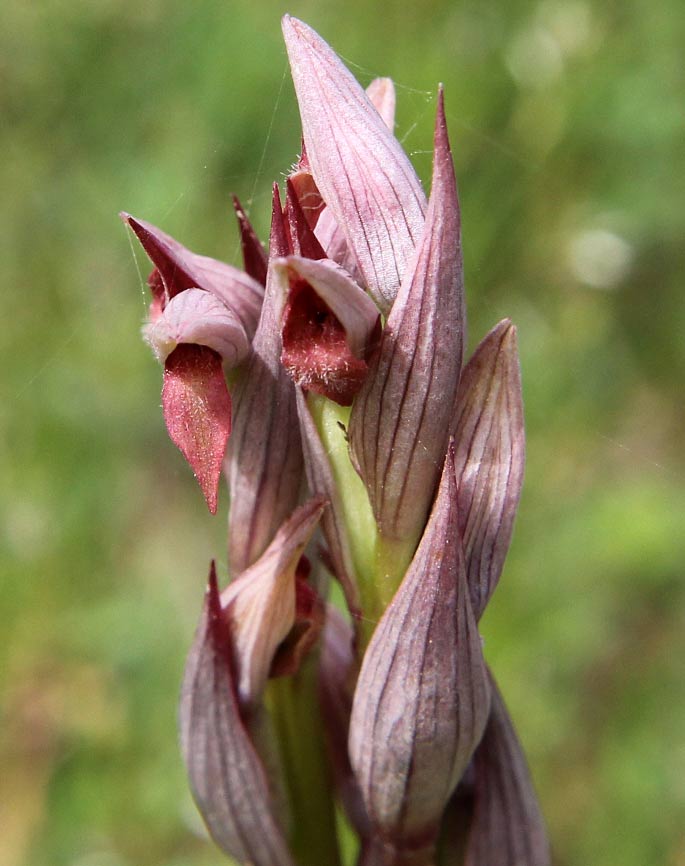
x=362 y=172
x=332 y=239
x=329 y=327
x=381 y=93
x=400 y=419
x=260 y=603
x=422 y=698
x=182 y=269
x=226 y=775
x=507 y=827
x=264 y=461
x=321 y=482
x=196 y=316
x=337 y=670
x=490 y=457
x=254 y=255
x=197 y=411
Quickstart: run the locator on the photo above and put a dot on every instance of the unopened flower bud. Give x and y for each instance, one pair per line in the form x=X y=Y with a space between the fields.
x=489 y=458
x=366 y=179
x=400 y=419
x=423 y=697
x=227 y=777
x=507 y=828
x=261 y=603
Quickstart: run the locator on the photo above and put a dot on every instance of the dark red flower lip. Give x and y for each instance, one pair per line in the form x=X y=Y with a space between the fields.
x=329 y=326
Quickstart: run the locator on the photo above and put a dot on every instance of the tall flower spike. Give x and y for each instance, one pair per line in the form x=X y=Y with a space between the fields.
x=260 y=604
x=264 y=453
x=227 y=777
x=363 y=174
x=423 y=697
x=400 y=418
x=489 y=459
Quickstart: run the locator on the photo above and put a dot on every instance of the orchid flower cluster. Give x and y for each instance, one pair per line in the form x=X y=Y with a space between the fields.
x=364 y=461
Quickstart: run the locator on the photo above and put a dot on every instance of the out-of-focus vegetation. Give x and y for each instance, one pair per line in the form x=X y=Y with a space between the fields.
x=567 y=125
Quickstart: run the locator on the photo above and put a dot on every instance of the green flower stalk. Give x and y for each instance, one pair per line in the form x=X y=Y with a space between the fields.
x=326 y=384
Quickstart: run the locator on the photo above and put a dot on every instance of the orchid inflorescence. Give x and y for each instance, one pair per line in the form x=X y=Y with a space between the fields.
x=326 y=383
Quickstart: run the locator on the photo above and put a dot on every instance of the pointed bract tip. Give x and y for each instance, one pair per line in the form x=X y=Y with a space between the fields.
x=505 y=331
x=291 y=24
x=311 y=510
x=279 y=244
x=138 y=227
x=213 y=595
x=136 y=224
x=449 y=460
x=441 y=139
x=508 y=327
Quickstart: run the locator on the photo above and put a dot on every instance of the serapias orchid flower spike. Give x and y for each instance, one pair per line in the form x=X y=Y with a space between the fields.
x=373 y=486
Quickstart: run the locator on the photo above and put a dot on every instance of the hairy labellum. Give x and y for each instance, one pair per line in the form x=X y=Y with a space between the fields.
x=328 y=327
x=197 y=411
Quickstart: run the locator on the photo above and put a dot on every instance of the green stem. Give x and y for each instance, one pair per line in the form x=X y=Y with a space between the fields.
x=379 y=562
x=293 y=703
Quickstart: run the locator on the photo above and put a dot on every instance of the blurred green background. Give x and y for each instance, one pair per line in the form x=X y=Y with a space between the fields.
x=567 y=122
